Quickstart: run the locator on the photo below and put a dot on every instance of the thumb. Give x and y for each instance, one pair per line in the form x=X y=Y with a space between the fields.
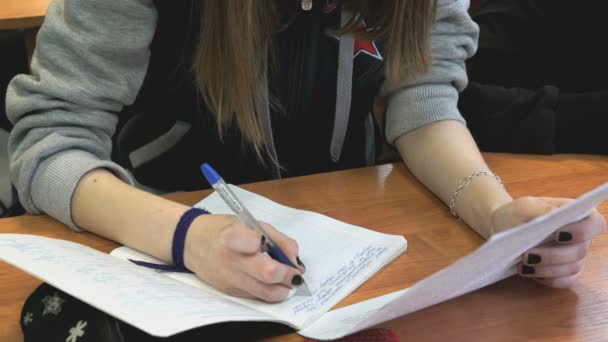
x=556 y=202
x=520 y=211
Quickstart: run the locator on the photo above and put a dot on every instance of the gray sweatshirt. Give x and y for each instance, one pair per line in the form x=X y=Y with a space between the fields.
x=90 y=61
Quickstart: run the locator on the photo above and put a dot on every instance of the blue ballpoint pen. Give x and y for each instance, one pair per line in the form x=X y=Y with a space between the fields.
x=269 y=246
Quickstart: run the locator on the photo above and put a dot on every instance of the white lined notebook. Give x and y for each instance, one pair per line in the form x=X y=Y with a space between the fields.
x=339 y=258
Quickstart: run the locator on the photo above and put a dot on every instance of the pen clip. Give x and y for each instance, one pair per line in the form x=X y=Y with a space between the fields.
x=266 y=245
x=275 y=252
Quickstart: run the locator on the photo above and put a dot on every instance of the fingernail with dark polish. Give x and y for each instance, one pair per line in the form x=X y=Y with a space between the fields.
x=564 y=237
x=527 y=269
x=300 y=262
x=297 y=280
x=533 y=259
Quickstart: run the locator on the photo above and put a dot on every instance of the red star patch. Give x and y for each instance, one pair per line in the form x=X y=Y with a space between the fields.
x=361 y=46
x=365 y=46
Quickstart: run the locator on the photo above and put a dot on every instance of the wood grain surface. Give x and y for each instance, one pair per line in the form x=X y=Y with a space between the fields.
x=387 y=198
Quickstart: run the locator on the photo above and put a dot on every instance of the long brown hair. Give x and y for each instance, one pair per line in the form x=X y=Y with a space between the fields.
x=231 y=61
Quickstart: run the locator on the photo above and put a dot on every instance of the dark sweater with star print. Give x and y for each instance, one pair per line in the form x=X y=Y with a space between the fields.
x=111 y=88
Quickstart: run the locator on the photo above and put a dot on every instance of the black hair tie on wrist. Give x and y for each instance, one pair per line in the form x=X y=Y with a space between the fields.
x=178 y=244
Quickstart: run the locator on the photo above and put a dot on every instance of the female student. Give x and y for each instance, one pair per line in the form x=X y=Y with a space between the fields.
x=259 y=89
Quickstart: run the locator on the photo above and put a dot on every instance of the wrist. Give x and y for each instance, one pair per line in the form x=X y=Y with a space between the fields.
x=477 y=202
x=489 y=225
x=204 y=229
x=179 y=235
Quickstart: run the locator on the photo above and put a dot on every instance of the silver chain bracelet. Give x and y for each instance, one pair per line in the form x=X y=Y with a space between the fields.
x=463 y=183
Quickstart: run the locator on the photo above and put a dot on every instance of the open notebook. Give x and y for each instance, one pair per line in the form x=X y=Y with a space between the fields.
x=339 y=258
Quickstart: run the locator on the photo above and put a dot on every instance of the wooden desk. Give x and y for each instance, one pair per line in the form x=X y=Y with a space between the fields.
x=22 y=14
x=26 y=15
x=388 y=199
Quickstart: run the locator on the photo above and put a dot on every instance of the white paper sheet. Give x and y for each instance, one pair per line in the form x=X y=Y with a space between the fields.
x=491 y=262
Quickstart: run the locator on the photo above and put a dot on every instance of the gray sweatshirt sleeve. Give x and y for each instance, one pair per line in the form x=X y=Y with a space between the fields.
x=90 y=60
x=433 y=96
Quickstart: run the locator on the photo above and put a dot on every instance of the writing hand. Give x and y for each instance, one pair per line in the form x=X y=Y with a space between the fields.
x=227 y=255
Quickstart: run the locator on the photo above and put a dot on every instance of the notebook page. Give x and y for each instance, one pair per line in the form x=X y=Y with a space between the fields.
x=141 y=297
x=491 y=262
x=338 y=256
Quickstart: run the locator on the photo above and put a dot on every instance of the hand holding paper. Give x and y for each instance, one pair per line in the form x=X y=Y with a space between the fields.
x=493 y=261
x=559 y=262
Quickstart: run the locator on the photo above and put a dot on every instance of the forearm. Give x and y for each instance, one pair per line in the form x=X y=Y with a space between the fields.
x=105 y=205
x=218 y=249
x=440 y=155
